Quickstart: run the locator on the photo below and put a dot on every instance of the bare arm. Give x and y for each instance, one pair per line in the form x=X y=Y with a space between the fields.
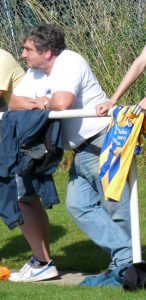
x=20 y=103
x=59 y=101
x=1 y=93
x=142 y=103
x=133 y=73
x=2 y=101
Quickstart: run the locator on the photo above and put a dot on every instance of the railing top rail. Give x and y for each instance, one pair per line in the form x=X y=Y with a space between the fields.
x=70 y=113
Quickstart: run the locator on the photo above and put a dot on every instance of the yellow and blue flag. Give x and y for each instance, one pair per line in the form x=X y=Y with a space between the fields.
x=121 y=143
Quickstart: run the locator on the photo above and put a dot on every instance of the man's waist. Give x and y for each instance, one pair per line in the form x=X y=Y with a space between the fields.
x=88 y=141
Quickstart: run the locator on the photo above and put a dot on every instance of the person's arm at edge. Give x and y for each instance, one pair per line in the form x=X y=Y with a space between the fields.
x=59 y=101
x=3 y=102
x=1 y=93
x=136 y=69
x=142 y=103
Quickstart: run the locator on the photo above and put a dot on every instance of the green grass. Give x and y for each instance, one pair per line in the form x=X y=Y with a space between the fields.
x=69 y=246
x=44 y=292
x=29 y=291
x=71 y=251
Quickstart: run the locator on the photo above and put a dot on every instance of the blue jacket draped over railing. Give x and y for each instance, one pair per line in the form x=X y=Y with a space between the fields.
x=23 y=134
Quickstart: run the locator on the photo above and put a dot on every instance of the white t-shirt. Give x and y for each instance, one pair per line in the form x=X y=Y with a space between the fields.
x=70 y=73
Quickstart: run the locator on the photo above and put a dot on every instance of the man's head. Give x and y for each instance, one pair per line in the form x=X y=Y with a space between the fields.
x=41 y=44
x=46 y=37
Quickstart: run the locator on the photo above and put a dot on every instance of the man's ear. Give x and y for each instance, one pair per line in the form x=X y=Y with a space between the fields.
x=48 y=54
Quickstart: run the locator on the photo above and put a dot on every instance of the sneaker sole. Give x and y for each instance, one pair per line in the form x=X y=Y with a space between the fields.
x=53 y=274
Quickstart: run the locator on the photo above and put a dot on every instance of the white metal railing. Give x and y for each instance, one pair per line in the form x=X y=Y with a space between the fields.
x=69 y=113
x=132 y=178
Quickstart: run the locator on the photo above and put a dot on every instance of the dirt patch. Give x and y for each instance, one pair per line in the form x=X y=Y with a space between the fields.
x=68 y=278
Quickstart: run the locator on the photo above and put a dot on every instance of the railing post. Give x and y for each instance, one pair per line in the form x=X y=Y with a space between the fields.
x=134 y=213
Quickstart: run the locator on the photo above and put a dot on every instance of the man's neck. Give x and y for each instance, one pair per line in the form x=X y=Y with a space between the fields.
x=50 y=65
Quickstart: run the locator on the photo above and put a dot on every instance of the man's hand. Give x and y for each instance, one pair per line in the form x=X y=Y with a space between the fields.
x=41 y=102
x=142 y=103
x=103 y=108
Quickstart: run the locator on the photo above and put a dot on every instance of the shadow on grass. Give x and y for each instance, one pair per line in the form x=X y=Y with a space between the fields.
x=82 y=256
x=18 y=246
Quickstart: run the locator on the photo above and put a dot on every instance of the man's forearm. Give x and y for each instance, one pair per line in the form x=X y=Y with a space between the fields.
x=59 y=101
x=20 y=103
x=134 y=72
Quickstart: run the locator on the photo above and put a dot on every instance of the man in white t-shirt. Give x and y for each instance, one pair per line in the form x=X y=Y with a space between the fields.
x=59 y=79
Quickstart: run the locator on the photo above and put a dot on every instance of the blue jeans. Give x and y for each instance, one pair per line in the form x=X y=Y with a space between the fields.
x=89 y=210
x=25 y=189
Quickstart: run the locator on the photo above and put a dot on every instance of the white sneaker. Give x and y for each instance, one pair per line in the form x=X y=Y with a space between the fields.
x=32 y=271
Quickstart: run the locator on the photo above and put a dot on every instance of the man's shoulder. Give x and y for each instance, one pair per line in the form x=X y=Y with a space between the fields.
x=9 y=63
x=4 y=52
x=71 y=53
x=4 y=56
x=70 y=57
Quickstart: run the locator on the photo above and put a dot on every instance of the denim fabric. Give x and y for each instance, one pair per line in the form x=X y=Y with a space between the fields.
x=9 y=209
x=120 y=211
x=113 y=279
x=20 y=129
x=25 y=189
x=30 y=188
x=92 y=213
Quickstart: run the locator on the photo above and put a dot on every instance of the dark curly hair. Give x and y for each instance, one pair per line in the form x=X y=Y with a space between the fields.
x=46 y=36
